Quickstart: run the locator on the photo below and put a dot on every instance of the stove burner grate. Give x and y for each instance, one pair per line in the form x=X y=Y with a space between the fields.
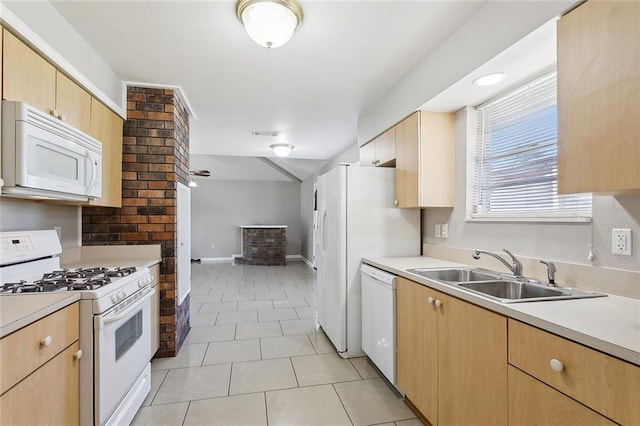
x=52 y=284
x=120 y=272
x=11 y=287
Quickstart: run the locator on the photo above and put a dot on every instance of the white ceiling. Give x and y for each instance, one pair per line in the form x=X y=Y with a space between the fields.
x=341 y=61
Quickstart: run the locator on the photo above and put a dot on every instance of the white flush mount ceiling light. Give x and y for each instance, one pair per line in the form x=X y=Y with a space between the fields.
x=193 y=183
x=282 y=149
x=270 y=23
x=489 y=79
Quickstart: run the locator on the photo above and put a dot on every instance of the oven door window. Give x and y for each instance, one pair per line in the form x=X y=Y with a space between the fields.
x=128 y=334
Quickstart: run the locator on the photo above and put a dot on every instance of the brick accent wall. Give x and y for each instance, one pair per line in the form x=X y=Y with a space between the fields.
x=263 y=246
x=155 y=156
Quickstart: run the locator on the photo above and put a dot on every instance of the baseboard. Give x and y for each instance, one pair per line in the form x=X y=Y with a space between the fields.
x=307 y=261
x=216 y=260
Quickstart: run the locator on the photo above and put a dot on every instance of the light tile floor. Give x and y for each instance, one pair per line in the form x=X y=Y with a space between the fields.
x=254 y=356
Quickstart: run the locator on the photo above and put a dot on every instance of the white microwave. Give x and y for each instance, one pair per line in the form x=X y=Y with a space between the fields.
x=46 y=158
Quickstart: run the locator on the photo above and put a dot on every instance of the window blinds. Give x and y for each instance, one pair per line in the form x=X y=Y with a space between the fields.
x=516 y=169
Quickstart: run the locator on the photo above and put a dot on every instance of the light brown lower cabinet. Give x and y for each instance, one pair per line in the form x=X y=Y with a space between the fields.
x=532 y=403
x=452 y=357
x=48 y=396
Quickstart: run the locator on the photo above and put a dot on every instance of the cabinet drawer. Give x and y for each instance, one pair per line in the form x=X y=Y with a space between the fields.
x=531 y=402
x=23 y=352
x=604 y=383
x=49 y=396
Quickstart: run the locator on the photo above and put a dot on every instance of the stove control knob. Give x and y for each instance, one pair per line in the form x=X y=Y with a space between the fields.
x=142 y=282
x=115 y=298
x=46 y=341
x=122 y=294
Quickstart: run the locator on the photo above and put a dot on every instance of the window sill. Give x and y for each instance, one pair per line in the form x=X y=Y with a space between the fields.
x=530 y=219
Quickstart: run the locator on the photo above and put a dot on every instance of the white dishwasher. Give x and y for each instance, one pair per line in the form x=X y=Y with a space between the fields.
x=379 y=319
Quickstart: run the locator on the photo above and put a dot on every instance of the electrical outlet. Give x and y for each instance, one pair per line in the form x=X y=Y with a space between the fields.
x=445 y=230
x=438 y=230
x=621 y=241
x=213 y=245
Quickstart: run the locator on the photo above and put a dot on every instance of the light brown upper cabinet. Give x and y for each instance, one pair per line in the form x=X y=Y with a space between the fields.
x=106 y=126
x=28 y=77
x=452 y=357
x=381 y=151
x=599 y=98
x=73 y=103
x=425 y=160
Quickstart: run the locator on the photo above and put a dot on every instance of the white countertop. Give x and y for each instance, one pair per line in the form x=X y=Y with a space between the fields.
x=610 y=324
x=111 y=263
x=140 y=256
x=262 y=226
x=19 y=310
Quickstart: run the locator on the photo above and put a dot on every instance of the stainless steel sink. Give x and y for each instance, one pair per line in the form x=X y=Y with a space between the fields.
x=515 y=291
x=492 y=284
x=454 y=275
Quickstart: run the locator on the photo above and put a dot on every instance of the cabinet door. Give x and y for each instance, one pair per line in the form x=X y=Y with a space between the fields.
x=417 y=362
x=436 y=170
x=49 y=395
x=106 y=126
x=531 y=402
x=386 y=147
x=368 y=154
x=599 y=97
x=407 y=155
x=73 y=103
x=472 y=364
x=26 y=76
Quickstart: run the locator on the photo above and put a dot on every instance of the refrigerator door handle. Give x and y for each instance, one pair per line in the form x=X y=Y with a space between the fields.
x=322 y=228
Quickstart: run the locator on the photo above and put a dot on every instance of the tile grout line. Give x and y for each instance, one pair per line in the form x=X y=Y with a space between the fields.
x=295 y=375
x=186 y=412
x=342 y=403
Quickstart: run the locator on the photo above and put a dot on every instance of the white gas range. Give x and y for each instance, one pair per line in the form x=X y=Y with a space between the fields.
x=115 y=333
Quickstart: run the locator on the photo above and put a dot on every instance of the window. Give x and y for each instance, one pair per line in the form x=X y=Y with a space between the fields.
x=515 y=171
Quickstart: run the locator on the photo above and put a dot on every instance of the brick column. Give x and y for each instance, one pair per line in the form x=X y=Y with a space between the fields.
x=155 y=156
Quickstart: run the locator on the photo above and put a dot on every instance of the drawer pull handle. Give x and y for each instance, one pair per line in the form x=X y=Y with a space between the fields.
x=430 y=300
x=438 y=303
x=78 y=355
x=557 y=365
x=46 y=341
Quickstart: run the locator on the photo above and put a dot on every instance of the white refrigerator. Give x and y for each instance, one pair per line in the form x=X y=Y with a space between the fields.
x=356 y=218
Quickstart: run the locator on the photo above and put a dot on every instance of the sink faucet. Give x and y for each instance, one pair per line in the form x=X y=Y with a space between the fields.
x=515 y=267
x=551 y=272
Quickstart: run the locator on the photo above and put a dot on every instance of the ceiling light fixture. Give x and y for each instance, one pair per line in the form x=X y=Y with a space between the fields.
x=489 y=79
x=193 y=183
x=282 y=149
x=270 y=23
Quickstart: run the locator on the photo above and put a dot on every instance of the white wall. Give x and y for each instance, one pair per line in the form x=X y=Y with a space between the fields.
x=219 y=206
x=18 y=215
x=556 y=241
x=496 y=26
x=45 y=21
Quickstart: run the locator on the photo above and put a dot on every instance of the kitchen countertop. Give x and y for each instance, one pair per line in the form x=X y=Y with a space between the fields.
x=140 y=256
x=20 y=310
x=610 y=324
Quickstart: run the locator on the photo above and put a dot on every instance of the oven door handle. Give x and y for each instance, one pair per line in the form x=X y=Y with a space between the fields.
x=100 y=322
